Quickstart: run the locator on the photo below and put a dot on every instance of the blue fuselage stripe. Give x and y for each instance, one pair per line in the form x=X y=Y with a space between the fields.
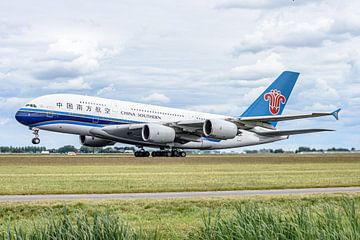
x=40 y=117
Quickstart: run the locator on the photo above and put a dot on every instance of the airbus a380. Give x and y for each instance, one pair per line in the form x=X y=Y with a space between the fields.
x=101 y=122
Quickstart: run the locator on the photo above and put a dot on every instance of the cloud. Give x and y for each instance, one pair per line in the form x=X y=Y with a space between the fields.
x=261 y=4
x=9 y=29
x=156 y=98
x=301 y=28
x=71 y=57
x=72 y=84
x=267 y=66
x=11 y=103
x=281 y=33
x=4 y=121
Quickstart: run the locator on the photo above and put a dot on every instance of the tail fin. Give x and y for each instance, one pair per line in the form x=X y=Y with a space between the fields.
x=273 y=100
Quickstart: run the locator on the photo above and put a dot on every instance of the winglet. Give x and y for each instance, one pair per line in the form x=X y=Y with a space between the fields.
x=336 y=113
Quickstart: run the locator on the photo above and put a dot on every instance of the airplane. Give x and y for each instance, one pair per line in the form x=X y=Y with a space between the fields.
x=101 y=122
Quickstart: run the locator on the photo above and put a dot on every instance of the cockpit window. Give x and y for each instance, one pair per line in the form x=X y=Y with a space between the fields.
x=30 y=105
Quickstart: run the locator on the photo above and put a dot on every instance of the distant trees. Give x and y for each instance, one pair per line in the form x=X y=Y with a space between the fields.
x=299 y=150
x=66 y=149
x=122 y=149
x=26 y=149
x=333 y=149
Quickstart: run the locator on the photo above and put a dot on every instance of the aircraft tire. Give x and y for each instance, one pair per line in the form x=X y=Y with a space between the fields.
x=175 y=153
x=35 y=140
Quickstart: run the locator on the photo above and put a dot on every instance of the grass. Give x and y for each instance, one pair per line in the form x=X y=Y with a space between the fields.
x=254 y=221
x=34 y=174
x=96 y=226
x=278 y=217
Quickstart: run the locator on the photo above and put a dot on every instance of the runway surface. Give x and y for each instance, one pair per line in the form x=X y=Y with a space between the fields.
x=172 y=195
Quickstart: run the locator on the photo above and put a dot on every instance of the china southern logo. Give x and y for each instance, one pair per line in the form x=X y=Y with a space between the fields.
x=275 y=98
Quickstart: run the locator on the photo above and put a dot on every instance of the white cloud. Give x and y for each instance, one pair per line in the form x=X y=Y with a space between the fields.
x=156 y=98
x=71 y=84
x=4 y=121
x=260 y=4
x=11 y=103
x=267 y=66
x=304 y=27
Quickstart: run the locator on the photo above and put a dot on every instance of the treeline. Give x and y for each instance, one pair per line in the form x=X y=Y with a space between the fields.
x=84 y=149
x=302 y=150
x=64 y=149
x=27 y=149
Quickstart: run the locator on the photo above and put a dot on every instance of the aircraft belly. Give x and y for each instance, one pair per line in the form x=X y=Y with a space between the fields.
x=67 y=128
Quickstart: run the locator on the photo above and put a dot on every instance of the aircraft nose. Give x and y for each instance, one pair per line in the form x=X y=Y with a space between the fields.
x=22 y=117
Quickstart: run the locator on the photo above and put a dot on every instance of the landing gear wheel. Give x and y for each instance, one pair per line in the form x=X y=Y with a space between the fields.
x=175 y=153
x=35 y=140
x=182 y=154
x=141 y=154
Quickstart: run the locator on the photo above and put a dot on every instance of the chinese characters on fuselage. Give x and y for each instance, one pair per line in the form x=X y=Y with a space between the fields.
x=100 y=110
x=84 y=108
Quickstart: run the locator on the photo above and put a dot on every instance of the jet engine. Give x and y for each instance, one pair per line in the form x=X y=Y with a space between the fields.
x=219 y=129
x=157 y=133
x=90 y=141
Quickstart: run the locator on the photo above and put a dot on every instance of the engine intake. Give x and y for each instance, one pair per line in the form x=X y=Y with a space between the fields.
x=156 y=133
x=91 y=141
x=219 y=129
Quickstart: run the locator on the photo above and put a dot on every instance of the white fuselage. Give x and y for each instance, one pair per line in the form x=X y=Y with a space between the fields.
x=78 y=114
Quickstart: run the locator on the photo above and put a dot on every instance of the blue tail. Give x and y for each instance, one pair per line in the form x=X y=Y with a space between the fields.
x=273 y=100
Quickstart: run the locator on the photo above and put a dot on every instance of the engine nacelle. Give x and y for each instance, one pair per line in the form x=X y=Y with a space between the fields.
x=157 y=133
x=90 y=141
x=219 y=129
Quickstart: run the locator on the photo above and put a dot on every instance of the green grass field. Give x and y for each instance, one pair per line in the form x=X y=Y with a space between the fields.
x=189 y=218
x=31 y=174
x=274 y=217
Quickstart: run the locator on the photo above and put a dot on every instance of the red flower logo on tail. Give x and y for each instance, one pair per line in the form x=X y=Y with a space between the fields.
x=275 y=98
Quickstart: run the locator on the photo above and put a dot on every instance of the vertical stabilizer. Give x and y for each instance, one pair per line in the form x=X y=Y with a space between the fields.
x=273 y=100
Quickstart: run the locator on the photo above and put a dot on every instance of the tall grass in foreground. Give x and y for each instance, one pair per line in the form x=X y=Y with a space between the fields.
x=97 y=226
x=251 y=221
x=325 y=219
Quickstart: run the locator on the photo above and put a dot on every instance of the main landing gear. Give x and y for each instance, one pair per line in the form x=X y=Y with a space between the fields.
x=167 y=153
x=142 y=153
x=162 y=153
x=36 y=139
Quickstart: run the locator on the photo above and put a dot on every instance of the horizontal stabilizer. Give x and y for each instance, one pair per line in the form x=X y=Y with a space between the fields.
x=278 y=118
x=291 y=132
x=336 y=113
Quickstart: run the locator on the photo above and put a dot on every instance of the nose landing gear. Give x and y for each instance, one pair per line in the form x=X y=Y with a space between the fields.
x=36 y=139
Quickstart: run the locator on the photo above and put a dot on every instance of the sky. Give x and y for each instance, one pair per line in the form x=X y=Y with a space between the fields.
x=209 y=55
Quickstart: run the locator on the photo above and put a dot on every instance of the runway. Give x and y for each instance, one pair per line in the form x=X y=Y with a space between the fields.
x=172 y=195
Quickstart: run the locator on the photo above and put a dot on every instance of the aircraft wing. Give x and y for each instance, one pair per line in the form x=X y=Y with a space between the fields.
x=291 y=132
x=265 y=121
x=192 y=130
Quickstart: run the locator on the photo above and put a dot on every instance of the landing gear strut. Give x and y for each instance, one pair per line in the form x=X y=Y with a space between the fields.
x=36 y=139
